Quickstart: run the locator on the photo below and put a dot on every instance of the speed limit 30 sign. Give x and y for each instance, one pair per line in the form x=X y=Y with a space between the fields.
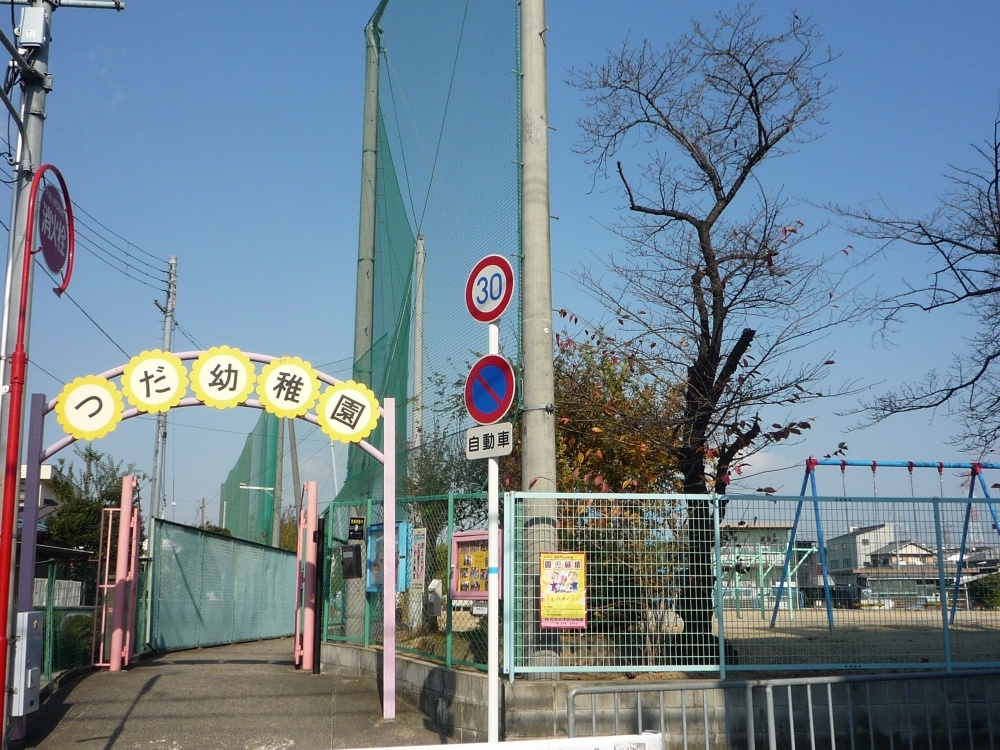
x=490 y=288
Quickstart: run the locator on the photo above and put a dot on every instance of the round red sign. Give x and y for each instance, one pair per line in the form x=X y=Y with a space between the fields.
x=53 y=228
x=489 y=389
x=489 y=288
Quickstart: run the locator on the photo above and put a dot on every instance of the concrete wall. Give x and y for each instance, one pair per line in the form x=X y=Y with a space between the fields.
x=454 y=700
x=958 y=710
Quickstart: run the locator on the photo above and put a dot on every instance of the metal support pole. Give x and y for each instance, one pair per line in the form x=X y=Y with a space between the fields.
x=942 y=586
x=29 y=516
x=493 y=582
x=279 y=472
x=27 y=159
x=538 y=463
x=319 y=591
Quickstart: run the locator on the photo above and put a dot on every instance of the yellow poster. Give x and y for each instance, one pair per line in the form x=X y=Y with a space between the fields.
x=473 y=567
x=563 y=588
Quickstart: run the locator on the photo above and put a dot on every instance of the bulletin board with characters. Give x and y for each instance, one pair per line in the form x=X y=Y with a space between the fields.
x=470 y=565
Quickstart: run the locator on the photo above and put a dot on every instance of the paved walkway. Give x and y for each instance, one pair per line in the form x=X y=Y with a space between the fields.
x=242 y=697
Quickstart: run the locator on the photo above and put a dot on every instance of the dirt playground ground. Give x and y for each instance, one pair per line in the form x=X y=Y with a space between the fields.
x=874 y=636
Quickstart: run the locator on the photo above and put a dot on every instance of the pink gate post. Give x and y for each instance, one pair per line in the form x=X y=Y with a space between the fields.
x=309 y=596
x=121 y=574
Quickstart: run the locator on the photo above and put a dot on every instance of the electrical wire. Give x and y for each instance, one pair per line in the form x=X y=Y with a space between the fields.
x=78 y=209
x=79 y=307
x=101 y=246
x=194 y=342
x=37 y=366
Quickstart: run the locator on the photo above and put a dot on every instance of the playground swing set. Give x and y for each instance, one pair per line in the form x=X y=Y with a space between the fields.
x=975 y=470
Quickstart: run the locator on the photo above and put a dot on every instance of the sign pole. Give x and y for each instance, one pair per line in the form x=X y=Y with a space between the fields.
x=489 y=393
x=493 y=582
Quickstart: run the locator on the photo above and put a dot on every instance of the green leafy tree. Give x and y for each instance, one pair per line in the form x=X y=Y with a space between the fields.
x=614 y=429
x=288 y=534
x=209 y=526
x=985 y=592
x=83 y=494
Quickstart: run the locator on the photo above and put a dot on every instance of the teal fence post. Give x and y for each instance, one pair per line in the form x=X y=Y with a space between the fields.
x=447 y=581
x=719 y=609
x=942 y=585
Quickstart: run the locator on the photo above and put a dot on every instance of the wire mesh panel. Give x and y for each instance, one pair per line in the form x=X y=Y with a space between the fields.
x=635 y=554
x=888 y=596
x=798 y=582
x=209 y=589
x=65 y=590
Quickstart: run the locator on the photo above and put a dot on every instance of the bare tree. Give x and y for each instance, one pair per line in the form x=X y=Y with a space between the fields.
x=712 y=289
x=962 y=237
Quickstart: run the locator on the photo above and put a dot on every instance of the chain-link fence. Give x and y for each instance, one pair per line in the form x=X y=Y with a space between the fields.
x=65 y=591
x=794 y=582
x=431 y=622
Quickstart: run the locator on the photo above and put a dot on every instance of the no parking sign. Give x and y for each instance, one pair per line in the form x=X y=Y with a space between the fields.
x=489 y=389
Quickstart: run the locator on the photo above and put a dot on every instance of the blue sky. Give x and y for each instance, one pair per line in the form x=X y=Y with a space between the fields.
x=230 y=136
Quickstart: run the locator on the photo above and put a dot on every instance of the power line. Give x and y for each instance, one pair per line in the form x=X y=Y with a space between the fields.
x=87 y=315
x=78 y=209
x=184 y=332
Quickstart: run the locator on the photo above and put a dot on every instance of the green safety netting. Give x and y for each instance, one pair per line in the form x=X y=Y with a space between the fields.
x=446 y=179
x=247 y=495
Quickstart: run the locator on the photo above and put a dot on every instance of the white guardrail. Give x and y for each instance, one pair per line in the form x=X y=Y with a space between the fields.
x=645 y=741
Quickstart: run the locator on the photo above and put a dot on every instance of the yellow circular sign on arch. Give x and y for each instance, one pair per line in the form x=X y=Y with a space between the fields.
x=348 y=412
x=288 y=387
x=154 y=381
x=89 y=407
x=222 y=377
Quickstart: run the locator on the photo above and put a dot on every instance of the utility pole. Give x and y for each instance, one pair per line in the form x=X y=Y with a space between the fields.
x=31 y=57
x=293 y=451
x=279 y=469
x=159 y=448
x=538 y=457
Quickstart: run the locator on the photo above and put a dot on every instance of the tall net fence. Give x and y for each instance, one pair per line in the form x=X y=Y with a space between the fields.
x=247 y=496
x=446 y=193
x=208 y=589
